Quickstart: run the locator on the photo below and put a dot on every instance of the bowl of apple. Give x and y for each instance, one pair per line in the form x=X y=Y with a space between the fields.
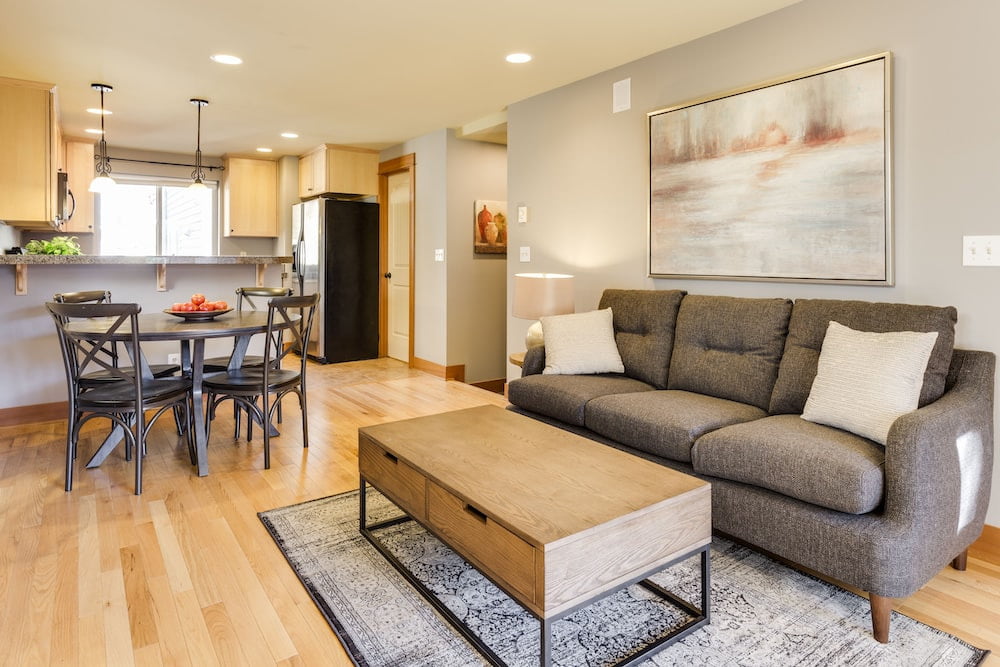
x=198 y=308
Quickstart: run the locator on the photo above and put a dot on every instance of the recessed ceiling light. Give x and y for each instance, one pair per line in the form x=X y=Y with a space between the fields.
x=289 y=135
x=226 y=59
x=263 y=149
x=105 y=112
x=518 y=58
x=91 y=130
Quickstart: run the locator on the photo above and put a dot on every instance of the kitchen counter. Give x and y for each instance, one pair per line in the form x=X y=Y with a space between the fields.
x=21 y=263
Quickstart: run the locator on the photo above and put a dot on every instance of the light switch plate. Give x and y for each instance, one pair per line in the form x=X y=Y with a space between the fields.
x=438 y=254
x=525 y=253
x=522 y=214
x=981 y=251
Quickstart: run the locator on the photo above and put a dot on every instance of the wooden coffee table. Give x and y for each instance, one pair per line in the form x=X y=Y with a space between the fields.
x=554 y=519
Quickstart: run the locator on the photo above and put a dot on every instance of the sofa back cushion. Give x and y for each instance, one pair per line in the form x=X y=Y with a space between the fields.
x=644 y=322
x=729 y=347
x=808 y=325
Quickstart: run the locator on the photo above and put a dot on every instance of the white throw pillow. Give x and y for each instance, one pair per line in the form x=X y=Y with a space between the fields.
x=581 y=343
x=866 y=380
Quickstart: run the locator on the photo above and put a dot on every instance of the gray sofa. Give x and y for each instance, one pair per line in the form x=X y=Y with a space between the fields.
x=715 y=387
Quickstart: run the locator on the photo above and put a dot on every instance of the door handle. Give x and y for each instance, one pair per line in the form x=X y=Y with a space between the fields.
x=387 y=275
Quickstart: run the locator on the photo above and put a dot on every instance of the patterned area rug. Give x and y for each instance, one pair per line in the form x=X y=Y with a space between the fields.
x=763 y=613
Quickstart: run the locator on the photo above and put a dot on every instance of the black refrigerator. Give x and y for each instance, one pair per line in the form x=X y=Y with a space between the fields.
x=335 y=250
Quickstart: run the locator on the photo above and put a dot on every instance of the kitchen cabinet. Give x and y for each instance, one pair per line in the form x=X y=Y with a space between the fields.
x=79 y=167
x=338 y=169
x=250 y=197
x=28 y=134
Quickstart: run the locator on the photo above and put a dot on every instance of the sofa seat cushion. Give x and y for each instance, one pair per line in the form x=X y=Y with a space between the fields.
x=665 y=423
x=564 y=397
x=810 y=462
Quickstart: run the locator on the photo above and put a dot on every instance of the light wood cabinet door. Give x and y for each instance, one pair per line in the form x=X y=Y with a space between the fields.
x=80 y=171
x=250 y=197
x=338 y=169
x=28 y=167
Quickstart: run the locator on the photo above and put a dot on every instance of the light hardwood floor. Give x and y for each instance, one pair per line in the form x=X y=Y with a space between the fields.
x=185 y=574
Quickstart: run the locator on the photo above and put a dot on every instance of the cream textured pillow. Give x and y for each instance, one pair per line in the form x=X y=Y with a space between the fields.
x=866 y=380
x=581 y=343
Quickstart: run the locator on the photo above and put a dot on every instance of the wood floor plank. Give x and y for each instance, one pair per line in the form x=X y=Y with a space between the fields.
x=186 y=574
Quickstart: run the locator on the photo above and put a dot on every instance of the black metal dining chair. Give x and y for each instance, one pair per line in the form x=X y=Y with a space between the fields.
x=125 y=398
x=111 y=352
x=244 y=296
x=252 y=388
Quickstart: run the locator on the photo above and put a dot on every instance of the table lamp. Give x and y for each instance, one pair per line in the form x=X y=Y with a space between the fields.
x=539 y=294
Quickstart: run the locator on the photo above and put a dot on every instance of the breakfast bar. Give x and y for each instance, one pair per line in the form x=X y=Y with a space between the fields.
x=31 y=350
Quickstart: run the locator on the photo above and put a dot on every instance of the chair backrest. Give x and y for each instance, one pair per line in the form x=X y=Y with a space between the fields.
x=279 y=315
x=247 y=292
x=91 y=296
x=84 y=351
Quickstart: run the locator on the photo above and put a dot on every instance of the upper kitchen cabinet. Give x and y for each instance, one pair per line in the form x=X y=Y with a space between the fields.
x=79 y=167
x=338 y=169
x=250 y=197
x=28 y=135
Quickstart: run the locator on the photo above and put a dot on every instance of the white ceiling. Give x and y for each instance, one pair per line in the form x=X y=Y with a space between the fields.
x=361 y=72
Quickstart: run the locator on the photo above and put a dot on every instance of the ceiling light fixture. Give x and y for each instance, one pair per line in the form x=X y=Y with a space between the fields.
x=263 y=149
x=289 y=135
x=226 y=59
x=103 y=181
x=518 y=58
x=93 y=130
x=102 y=112
x=198 y=174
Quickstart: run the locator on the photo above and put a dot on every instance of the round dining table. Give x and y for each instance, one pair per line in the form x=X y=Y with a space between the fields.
x=165 y=327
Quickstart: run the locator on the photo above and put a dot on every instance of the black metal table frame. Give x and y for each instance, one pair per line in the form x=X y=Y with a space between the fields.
x=700 y=617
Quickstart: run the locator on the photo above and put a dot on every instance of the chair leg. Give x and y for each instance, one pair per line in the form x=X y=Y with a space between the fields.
x=961 y=561
x=881 y=615
x=237 y=415
x=305 y=419
x=265 y=426
x=140 y=449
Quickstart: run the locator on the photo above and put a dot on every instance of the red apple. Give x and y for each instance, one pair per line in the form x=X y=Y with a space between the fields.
x=197 y=298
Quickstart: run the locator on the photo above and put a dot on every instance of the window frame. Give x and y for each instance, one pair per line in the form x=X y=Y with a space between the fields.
x=160 y=182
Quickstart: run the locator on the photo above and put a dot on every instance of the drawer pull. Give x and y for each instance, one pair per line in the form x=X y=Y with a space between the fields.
x=476 y=513
x=391 y=457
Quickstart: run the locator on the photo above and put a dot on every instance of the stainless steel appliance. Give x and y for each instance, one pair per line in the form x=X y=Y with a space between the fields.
x=335 y=251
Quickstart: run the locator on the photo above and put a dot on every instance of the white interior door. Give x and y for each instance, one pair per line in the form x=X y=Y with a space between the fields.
x=399 y=266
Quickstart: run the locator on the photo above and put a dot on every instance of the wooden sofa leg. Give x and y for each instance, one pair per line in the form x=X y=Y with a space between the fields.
x=961 y=561
x=881 y=613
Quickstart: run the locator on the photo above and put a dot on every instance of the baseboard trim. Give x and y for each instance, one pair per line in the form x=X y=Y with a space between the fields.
x=496 y=386
x=987 y=547
x=447 y=372
x=30 y=414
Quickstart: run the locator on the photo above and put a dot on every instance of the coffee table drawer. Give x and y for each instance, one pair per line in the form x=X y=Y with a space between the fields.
x=493 y=549
x=401 y=483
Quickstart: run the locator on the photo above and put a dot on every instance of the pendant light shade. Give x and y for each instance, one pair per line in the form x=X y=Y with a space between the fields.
x=102 y=165
x=198 y=175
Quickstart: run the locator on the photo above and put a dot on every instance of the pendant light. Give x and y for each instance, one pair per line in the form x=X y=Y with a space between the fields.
x=103 y=181
x=198 y=174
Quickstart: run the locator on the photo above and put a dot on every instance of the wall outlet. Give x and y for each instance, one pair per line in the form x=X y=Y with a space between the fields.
x=438 y=254
x=981 y=251
x=174 y=358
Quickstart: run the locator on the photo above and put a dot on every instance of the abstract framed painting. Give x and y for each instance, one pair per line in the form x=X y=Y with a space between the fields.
x=786 y=180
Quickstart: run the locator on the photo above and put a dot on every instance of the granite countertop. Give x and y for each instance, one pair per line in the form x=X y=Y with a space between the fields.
x=165 y=259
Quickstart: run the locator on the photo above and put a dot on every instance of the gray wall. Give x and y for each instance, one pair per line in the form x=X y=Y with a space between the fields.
x=459 y=303
x=583 y=170
x=477 y=295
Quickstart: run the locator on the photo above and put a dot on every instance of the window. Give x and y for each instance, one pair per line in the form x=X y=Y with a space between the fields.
x=157 y=217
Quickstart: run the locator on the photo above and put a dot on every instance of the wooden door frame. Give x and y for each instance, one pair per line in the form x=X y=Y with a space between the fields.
x=403 y=163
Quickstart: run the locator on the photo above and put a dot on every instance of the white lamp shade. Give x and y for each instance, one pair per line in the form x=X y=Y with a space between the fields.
x=539 y=294
x=101 y=184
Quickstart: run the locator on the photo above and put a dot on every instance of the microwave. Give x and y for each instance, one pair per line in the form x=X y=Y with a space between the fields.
x=65 y=201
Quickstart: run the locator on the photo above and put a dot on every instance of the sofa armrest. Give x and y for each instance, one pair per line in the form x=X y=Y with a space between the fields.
x=939 y=460
x=534 y=361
